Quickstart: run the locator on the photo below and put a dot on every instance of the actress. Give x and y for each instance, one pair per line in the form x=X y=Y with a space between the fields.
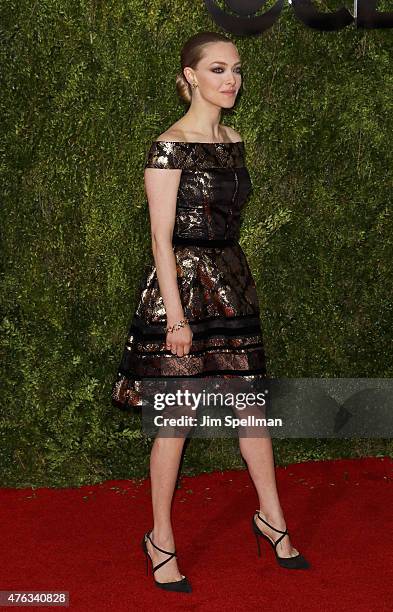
x=198 y=312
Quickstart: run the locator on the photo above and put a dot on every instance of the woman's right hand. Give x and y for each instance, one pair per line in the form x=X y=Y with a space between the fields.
x=179 y=341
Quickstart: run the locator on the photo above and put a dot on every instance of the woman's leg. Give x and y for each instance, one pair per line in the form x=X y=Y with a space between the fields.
x=258 y=454
x=164 y=466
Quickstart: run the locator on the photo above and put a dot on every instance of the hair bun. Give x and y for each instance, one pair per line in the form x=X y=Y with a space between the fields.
x=183 y=88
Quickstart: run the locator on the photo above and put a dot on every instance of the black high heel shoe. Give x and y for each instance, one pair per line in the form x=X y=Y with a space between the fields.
x=298 y=562
x=182 y=585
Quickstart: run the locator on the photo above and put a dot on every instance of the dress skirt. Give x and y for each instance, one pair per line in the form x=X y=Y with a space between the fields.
x=219 y=298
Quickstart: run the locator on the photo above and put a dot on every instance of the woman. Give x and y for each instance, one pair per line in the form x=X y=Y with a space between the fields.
x=200 y=290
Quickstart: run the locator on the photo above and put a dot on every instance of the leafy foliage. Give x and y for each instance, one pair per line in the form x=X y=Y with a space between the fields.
x=85 y=87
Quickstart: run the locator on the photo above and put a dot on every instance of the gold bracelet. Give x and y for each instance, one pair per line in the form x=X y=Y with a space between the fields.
x=177 y=325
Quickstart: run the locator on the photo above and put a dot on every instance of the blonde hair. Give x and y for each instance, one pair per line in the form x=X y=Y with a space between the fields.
x=191 y=54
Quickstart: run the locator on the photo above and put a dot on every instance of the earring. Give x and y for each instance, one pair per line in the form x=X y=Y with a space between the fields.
x=195 y=85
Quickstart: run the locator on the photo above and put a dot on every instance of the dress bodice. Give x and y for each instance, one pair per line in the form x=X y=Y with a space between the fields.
x=214 y=186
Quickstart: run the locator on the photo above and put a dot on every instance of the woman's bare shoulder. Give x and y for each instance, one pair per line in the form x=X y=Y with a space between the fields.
x=232 y=134
x=175 y=134
x=171 y=135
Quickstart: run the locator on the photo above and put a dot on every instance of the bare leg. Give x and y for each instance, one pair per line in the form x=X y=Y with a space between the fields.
x=258 y=454
x=164 y=466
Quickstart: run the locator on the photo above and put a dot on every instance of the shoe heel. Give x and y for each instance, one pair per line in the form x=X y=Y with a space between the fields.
x=144 y=548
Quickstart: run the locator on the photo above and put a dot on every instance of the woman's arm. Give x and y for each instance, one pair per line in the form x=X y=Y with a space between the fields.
x=161 y=186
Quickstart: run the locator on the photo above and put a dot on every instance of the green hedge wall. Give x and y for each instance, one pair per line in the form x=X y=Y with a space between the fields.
x=86 y=86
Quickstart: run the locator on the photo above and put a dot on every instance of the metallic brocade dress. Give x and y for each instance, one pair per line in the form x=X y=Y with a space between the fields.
x=216 y=287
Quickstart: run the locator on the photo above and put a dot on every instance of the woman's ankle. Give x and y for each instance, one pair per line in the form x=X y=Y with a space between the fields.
x=273 y=517
x=162 y=536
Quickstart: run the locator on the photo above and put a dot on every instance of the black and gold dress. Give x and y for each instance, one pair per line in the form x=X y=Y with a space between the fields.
x=216 y=287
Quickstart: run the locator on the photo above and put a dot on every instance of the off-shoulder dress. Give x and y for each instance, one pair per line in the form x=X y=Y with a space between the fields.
x=216 y=286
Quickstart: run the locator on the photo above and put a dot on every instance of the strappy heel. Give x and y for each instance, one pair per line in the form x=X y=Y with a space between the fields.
x=298 y=562
x=182 y=585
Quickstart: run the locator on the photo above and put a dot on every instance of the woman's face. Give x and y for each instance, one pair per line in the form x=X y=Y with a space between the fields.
x=218 y=72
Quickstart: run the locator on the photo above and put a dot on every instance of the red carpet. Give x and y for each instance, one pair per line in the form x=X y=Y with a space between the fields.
x=87 y=541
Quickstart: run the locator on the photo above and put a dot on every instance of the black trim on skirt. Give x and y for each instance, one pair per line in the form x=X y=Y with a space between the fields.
x=206 y=242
